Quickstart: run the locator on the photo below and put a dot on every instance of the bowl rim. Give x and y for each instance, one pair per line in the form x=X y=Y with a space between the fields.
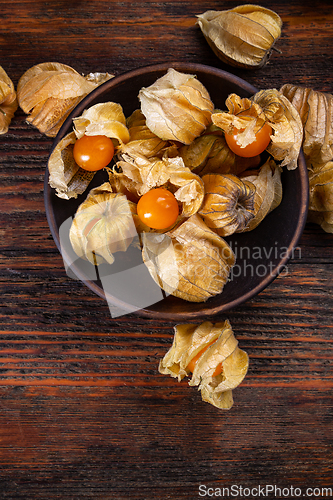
x=205 y=311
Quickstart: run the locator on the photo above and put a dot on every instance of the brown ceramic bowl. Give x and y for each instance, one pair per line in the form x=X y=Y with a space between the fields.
x=261 y=254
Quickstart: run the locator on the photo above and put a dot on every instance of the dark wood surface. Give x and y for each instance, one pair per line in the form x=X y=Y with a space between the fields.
x=84 y=412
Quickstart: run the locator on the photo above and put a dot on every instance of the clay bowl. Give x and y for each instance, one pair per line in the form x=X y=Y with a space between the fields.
x=261 y=254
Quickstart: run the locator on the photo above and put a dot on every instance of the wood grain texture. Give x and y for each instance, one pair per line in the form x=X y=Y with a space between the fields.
x=84 y=412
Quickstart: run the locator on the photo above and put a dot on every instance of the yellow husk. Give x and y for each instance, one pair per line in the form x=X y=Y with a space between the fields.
x=105 y=118
x=228 y=204
x=209 y=154
x=66 y=177
x=177 y=107
x=243 y=36
x=8 y=101
x=103 y=225
x=284 y=119
x=321 y=188
x=321 y=196
x=316 y=112
x=140 y=174
x=268 y=191
x=189 y=340
x=266 y=106
x=191 y=261
x=142 y=141
x=49 y=91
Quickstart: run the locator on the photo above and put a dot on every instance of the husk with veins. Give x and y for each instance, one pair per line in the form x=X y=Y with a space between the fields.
x=65 y=176
x=268 y=190
x=176 y=106
x=228 y=204
x=190 y=261
x=103 y=225
x=210 y=153
x=221 y=347
x=105 y=118
x=321 y=196
x=266 y=106
x=243 y=36
x=49 y=91
x=316 y=112
x=8 y=101
x=138 y=175
x=321 y=188
x=142 y=141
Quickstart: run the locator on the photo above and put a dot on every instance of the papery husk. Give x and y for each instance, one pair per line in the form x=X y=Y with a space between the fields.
x=284 y=119
x=103 y=225
x=177 y=107
x=243 y=36
x=228 y=204
x=8 y=101
x=316 y=112
x=142 y=141
x=266 y=106
x=65 y=176
x=191 y=261
x=268 y=193
x=210 y=153
x=104 y=118
x=221 y=347
x=321 y=188
x=49 y=91
x=321 y=196
x=140 y=174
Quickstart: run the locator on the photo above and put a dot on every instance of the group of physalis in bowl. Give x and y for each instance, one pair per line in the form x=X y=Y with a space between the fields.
x=184 y=176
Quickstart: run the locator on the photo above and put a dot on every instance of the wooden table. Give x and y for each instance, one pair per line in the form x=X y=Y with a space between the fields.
x=84 y=412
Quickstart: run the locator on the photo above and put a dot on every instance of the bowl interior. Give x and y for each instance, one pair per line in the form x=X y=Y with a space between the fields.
x=261 y=254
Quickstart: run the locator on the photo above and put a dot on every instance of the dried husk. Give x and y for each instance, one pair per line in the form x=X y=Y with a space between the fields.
x=65 y=176
x=49 y=91
x=284 y=119
x=221 y=347
x=191 y=261
x=243 y=36
x=141 y=174
x=266 y=106
x=210 y=153
x=321 y=196
x=177 y=107
x=316 y=112
x=321 y=188
x=142 y=141
x=268 y=193
x=104 y=118
x=228 y=204
x=8 y=101
x=103 y=225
